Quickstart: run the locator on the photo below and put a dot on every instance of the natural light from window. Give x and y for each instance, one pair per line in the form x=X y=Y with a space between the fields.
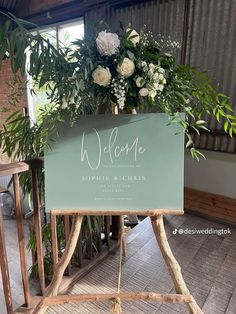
x=65 y=33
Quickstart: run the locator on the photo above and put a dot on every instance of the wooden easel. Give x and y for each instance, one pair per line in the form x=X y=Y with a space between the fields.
x=182 y=295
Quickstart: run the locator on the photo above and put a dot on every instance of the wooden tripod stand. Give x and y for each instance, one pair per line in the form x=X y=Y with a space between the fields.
x=182 y=293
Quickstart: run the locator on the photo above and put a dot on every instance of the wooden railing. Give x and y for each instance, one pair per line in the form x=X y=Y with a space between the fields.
x=104 y=225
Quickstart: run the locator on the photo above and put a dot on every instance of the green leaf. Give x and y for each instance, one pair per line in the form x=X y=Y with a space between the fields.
x=189 y=143
x=199 y=122
x=226 y=124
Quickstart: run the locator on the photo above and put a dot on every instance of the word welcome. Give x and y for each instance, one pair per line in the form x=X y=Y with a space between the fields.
x=113 y=150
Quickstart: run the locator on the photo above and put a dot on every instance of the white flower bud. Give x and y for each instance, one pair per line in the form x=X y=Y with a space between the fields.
x=143 y=92
x=152 y=93
x=133 y=36
x=139 y=81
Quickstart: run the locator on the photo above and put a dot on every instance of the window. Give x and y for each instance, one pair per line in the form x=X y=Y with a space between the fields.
x=64 y=33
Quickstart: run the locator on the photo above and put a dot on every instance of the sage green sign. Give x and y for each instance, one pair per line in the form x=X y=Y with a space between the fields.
x=123 y=162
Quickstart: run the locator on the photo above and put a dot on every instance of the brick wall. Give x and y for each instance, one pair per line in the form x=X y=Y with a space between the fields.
x=5 y=78
x=29 y=7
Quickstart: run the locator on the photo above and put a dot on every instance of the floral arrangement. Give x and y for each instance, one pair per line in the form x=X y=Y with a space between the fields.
x=127 y=68
x=123 y=69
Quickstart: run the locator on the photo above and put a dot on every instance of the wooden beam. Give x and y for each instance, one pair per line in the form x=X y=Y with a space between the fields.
x=21 y=238
x=4 y=269
x=13 y=168
x=20 y=166
x=54 y=241
x=67 y=234
x=38 y=229
x=143 y=212
x=128 y=296
x=99 y=239
x=107 y=229
x=218 y=207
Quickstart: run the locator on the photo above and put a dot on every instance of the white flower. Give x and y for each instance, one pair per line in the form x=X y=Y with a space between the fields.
x=101 y=76
x=160 y=87
x=133 y=36
x=152 y=93
x=164 y=81
x=155 y=85
x=107 y=43
x=152 y=66
x=126 y=67
x=155 y=76
x=64 y=103
x=161 y=77
x=143 y=64
x=139 y=81
x=143 y=92
x=161 y=70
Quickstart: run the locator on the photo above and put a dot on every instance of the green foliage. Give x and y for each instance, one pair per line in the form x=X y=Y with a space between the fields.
x=66 y=74
x=90 y=235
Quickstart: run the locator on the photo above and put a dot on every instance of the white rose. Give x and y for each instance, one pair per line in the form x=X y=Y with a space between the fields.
x=143 y=92
x=107 y=43
x=126 y=67
x=161 y=77
x=139 y=81
x=152 y=93
x=101 y=76
x=133 y=36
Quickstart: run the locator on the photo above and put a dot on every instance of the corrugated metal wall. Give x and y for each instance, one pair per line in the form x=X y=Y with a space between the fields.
x=208 y=41
x=161 y=17
x=211 y=45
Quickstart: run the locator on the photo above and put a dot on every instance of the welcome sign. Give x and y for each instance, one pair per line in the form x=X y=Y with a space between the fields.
x=116 y=162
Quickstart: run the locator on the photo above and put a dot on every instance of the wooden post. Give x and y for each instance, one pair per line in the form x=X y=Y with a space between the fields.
x=53 y=287
x=54 y=240
x=37 y=228
x=21 y=239
x=4 y=269
x=117 y=221
x=171 y=262
x=67 y=234
x=79 y=250
x=107 y=229
x=99 y=240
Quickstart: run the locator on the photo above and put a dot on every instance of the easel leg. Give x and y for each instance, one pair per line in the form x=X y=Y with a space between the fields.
x=52 y=289
x=171 y=262
x=122 y=230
